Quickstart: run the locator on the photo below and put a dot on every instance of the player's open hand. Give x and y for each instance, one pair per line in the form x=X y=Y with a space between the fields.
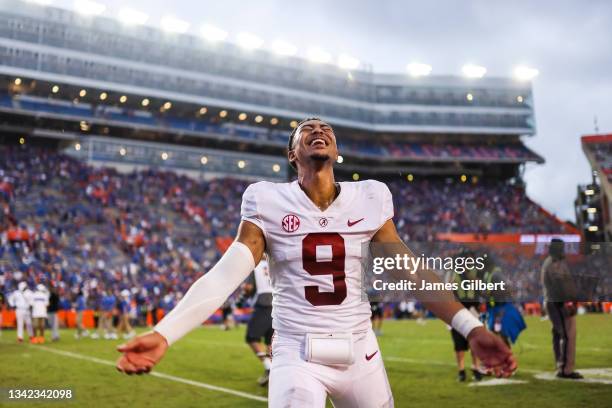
x=492 y=351
x=141 y=353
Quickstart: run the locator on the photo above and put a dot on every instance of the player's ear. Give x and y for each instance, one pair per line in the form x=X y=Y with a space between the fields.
x=291 y=155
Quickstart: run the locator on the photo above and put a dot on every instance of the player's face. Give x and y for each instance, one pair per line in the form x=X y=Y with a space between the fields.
x=315 y=143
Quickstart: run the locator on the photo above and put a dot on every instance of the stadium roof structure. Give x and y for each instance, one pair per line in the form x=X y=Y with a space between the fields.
x=64 y=47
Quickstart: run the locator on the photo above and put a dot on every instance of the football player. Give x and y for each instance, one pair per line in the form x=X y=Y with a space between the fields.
x=21 y=300
x=313 y=230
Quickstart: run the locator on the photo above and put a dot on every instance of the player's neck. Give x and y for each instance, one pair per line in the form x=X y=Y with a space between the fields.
x=320 y=187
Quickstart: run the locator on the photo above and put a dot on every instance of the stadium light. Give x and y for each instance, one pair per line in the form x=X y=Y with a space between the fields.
x=223 y=113
x=122 y=151
x=340 y=159
x=242 y=116
x=17 y=81
x=241 y=164
x=204 y=160
x=77 y=147
x=283 y=48
x=212 y=33
x=319 y=56
x=145 y=102
x=249 y=41
x=22 y=140
x=293 y=124
x=88 y=7
x=524 y=73
x=469 y=97
x=203 y=110
x=417 y=69
x=103 y=96
x=347 y=62
x=172 y=24
x=410 y=177
x=258 y=119
x=274 y=121
x=519 y=99
x=593 y=228
x=589 y=191
x=474 y=71
x=132 y=17
x=164 y=156
x=123 y=99
x=167 y=105
x=591 y=210
x=55 y=89
x=276 y=168
x=82 y=93
x=355 y=176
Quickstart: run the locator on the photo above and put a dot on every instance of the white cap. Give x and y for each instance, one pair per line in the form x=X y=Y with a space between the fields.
x=22 y=286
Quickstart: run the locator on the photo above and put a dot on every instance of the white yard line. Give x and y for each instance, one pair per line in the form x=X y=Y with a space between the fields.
x=496 y=381
x=155 y=374
x=592 y=375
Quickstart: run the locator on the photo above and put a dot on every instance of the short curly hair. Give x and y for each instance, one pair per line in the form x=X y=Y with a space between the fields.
x=292 y=137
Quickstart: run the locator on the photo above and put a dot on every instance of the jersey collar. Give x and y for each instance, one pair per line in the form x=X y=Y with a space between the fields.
x=306 y=201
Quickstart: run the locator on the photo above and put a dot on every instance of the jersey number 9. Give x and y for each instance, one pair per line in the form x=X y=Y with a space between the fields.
x=334 y=267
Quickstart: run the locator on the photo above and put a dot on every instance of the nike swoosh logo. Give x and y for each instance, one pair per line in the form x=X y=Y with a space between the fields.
x=351 y=223
x=371 y=356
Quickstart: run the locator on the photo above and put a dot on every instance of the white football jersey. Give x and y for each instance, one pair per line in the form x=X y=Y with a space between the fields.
x=21 y=300
x=315 y=256
x=40 y=301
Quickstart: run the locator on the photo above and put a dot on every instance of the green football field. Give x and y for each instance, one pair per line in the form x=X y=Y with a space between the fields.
x=214 y=368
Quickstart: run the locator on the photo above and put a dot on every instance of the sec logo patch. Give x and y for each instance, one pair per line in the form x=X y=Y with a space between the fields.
x=291 y=223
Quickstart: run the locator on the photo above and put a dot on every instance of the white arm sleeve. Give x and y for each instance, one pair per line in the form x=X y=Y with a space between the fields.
x=208 y=293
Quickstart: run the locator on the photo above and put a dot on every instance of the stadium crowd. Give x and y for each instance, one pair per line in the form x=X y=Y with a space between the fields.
x=131 y=244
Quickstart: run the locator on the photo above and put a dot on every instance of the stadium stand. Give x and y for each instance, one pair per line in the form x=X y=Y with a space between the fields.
x=599 y=148
x=108 y=114
x=154 y=231
x=594 y=201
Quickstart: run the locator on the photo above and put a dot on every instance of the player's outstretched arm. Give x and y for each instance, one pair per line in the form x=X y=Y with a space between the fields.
x=489 y=348
x=444 y=304
x=202 y=299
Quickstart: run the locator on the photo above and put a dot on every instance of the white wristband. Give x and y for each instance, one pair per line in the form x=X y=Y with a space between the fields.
x=464 y=322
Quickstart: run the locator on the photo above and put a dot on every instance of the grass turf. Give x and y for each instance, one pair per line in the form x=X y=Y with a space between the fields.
x=419 y=361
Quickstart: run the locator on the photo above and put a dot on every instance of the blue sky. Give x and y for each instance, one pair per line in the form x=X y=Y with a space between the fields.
x=567 y=41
